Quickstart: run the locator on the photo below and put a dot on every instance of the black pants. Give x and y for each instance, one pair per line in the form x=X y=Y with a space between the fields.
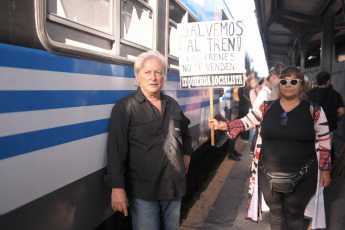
x=287 y=209
x=231 y=146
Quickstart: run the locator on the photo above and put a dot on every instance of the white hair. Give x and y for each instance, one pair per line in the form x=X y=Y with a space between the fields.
x=140 y=61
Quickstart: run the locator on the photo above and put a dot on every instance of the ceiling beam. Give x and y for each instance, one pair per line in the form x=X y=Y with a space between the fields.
x=299 y=17
x=331 y=7
x=278 y=47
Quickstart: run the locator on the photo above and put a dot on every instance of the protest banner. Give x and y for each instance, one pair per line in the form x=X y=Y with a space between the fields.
x=211 y=55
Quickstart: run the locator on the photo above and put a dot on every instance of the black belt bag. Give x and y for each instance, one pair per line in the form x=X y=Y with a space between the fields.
x=284 y=182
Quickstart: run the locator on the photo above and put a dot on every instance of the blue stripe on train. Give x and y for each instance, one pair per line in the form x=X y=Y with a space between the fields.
x=198 y=105
x=189 y=93
x=41 y=139
x=27 y=58
x=37 y=140
x=20 y=101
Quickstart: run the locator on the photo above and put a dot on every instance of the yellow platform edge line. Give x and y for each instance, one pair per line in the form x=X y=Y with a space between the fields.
x=200 y=210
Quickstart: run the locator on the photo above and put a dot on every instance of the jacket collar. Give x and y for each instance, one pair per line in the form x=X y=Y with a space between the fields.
x=140 y=97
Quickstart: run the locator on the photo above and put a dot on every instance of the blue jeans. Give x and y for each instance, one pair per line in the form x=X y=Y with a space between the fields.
x=155 y=215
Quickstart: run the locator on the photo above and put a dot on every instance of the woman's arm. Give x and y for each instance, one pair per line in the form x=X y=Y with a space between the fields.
x=322 y=135
x=234 y=127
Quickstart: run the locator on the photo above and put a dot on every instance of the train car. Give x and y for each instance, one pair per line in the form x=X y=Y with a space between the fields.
x=63 y=65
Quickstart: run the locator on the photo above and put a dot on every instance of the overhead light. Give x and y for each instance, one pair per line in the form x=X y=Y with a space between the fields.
x=311 y=57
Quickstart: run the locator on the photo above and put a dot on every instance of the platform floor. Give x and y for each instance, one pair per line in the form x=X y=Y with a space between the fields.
x=223 y=204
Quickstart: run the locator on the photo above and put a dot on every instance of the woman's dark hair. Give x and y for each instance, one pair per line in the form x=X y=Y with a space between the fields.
x=292 y=70
x=322 y=78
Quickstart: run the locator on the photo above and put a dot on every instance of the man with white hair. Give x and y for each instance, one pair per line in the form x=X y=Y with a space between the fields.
x=149 y=149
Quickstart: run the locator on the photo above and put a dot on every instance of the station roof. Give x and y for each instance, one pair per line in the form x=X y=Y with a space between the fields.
x=285 y=25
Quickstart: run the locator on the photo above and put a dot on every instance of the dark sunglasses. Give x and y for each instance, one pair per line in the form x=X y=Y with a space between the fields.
x=291 y=81
x=284 y=119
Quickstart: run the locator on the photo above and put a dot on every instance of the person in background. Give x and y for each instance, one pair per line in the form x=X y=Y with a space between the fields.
x=286 y=144
x=305 y=89
x=256 y=86
x=233 y=154
x=264 y=93
x=273 y=77
x=329 y=99
x=262 y=96
x=274 y=80
x=244 y=105
x=149 y=150
x=255 y=90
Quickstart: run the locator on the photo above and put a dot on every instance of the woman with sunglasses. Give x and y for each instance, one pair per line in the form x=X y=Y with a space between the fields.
x=288 y=129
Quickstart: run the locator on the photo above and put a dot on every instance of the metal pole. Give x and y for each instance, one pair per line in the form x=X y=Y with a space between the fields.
x=211 y=115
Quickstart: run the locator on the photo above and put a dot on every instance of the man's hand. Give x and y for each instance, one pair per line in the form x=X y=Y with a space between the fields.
x=119 y=200
x=325 y=178
x=186 y=160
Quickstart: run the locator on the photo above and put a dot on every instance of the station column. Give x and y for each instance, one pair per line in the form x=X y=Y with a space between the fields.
x=327 y=42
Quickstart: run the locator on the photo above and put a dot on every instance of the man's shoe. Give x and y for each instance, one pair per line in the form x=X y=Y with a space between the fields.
x=237 y=154
x=234 y=158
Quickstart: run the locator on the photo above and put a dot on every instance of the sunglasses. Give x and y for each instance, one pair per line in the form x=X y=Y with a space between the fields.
x=284 y=119
x=291 y=81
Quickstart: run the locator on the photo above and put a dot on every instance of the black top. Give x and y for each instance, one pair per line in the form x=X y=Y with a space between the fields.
x=145 y=149
x=330 y=100
x=287 y=148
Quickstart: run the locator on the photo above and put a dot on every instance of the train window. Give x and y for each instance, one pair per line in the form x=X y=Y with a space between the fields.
x=173 y=38
x=96 y=14
x=136 y=27
x=81 y=24
x=178 y=13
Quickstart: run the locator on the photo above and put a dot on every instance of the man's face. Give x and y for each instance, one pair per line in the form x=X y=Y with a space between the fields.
x=151 y=79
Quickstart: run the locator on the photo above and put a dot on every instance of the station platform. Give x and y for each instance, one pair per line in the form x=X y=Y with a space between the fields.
x=223 y=204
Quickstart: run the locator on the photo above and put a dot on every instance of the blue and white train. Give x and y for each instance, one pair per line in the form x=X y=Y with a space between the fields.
x=63 y=65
